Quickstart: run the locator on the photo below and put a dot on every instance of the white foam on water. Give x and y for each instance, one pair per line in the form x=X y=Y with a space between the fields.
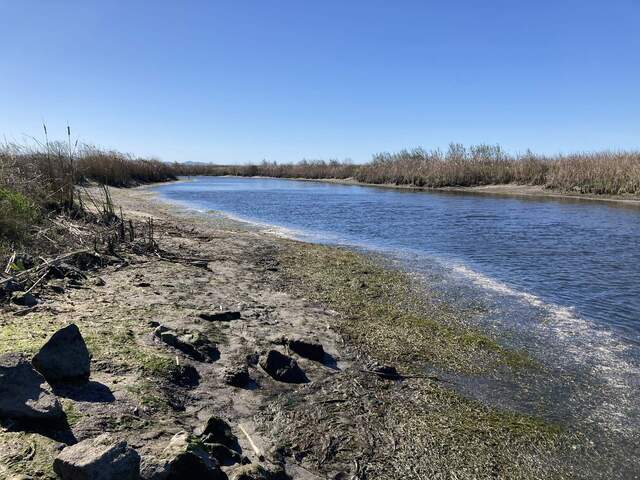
x=579 y=342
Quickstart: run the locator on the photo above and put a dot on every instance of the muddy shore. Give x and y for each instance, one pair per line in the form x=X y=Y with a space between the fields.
x=349 y=418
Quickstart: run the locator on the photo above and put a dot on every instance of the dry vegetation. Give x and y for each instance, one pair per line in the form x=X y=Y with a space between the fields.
x=36 y=181
x=611 y=173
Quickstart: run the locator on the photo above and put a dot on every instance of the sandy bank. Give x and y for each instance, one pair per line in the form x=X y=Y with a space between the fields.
x=347 y=421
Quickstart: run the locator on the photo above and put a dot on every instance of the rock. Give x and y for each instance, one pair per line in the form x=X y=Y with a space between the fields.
x=64 y=357
x=223 y=454
x=99 y=282
x=220 y=316
x=252 y=471
x=253 y=359
x=88 y=260
x=24 y=261
x=307 y=349
x=237 y=376
x=255 y=471
x=282 y=367
x=385 y=371
x=184 y=460
x=56 y=288
x=143 y=284
x=185 y=376
x=7 y=288
x=24 y=299
x=99 y=458
x=193 y=344
x=216 y=430
x=64 y=270
x=24 y=393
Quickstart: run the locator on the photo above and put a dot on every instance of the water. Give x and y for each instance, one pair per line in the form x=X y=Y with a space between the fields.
x=560 y=278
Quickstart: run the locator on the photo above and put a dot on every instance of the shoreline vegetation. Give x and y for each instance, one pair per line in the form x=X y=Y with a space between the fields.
x=37 y=180
x=142 y=281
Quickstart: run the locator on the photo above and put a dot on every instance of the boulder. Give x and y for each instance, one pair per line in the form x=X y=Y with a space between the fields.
x=282 y=367
x=192 y=344
x=183 y=459
x=216 y=430
x=24 y=299
x=307 y=349
x=99 y=458
x=64 y=357
x=225 y=316
x=236 y=376
x=24 y=393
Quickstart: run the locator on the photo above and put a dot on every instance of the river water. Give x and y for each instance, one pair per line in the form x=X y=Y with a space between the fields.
x=559 y=278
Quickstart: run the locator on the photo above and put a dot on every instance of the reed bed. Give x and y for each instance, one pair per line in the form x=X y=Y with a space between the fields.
x=37 y=179
x=607 y=173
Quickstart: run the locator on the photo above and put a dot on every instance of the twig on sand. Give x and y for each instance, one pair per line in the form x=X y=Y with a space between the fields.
x=38 y=281
x=256 y=450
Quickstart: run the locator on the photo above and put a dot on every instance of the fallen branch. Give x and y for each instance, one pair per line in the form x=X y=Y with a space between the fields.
x=46 y=264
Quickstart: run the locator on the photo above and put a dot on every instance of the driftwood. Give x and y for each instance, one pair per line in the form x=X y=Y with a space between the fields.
x=46 y=264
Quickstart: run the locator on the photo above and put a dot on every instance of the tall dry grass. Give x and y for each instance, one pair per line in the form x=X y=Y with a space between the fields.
x=612 y=173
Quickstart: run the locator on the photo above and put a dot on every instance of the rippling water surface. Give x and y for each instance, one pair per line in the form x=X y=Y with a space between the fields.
x=561 y=277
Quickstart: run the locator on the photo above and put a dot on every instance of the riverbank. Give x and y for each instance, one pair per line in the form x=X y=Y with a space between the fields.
x=351 y=420
x=510 y=190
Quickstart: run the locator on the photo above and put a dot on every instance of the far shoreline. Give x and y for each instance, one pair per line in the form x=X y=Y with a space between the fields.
x=498 y=190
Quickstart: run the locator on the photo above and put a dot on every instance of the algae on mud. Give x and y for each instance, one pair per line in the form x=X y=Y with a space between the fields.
x=389 y=316
x=419 y=427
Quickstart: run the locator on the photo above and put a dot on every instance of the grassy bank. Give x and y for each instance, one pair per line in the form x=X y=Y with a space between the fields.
x=596 y=173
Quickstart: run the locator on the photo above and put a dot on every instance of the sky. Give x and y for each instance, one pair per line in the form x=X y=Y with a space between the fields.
x=240 y=81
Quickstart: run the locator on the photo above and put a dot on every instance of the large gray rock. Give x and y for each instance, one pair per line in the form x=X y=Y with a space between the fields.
x=100 y=458
x=183 y=459
x=282 y=367
x=24 y=393
x=64 y=356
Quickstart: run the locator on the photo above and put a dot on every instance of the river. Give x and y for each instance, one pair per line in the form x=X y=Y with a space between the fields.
x=559 y=278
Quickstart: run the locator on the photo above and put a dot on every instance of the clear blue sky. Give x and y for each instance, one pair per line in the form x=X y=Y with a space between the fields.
x=242 y=80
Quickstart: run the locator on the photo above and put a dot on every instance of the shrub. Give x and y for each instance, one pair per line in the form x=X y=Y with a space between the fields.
x=17 y=214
